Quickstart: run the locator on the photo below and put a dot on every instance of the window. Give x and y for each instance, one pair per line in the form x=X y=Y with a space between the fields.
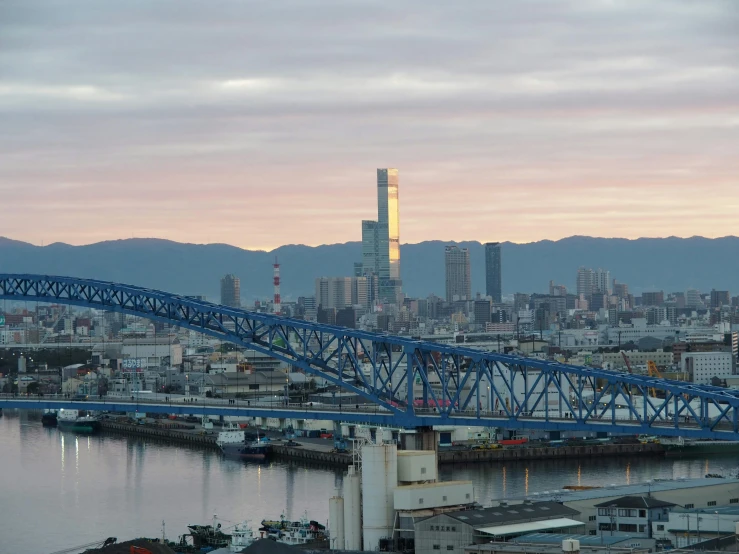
x=423 y=470
x=689 y=506
x=604 y=526
x=711 y=503
x=467 y=496
x=660 y=527
x=591 y=518
x=642 y=528
x=443 y=498
x=627 y=527
x=642 y=513
x=450 y=547
x=592 y=531
x=253 y=387
x=623 y=513
x=733 y=500
x=420 y=500
x=454 y=529
x=437 y=547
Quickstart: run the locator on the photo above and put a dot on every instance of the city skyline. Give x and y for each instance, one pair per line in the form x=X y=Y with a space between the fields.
x=224 y=117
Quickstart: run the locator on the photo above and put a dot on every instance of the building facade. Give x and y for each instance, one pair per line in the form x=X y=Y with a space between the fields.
x=493 y=272
x=231 y=291
x=705 y=366
x=458 y=274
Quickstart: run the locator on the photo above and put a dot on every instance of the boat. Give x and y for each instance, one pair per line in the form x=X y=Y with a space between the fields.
x=234 y=442
x=209 y=536
x=77 y=420
x=241 y=537
x=301 y=532
x=49 y=418
x=685 y=448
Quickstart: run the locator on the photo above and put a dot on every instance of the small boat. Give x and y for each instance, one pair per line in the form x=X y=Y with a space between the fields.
x=77 y=420
x=49 y=418
x=233 y=442
x=289 y=532
x=204 y=536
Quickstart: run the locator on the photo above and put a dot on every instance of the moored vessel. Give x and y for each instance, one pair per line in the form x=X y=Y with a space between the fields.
x=49 y=418
x=682 y=447
x=234 y=442
x=78 y=421
x=302 y=532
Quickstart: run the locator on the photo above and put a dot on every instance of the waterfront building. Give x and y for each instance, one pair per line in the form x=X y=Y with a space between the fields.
x=493 y=272
x=458 y=274
x=231 y=291
x=704 y=367
x=631 y=515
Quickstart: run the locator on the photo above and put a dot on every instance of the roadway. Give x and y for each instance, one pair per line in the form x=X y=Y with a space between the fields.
x=369 y=414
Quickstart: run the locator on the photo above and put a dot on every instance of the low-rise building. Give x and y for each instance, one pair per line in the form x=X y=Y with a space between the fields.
x=631 y=515
x=686 y=527
x=453 y=531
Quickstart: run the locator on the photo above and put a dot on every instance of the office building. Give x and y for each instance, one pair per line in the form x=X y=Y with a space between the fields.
x=602 y=281
x=653 y=298
x=585 y=281
x=720 y=298
x=493 y=271
x=458 y=274
x=231 y=291
x=705 y=367
x=693 y=298
x=620 y=289
x=482 y=310
x=342 y=292
x=381 y=238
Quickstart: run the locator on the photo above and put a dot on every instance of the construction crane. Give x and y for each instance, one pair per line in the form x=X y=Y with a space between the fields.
x=654 y=374
x=626 y=360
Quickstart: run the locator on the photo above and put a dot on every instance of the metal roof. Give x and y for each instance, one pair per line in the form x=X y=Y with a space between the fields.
x=529 y=526
x=635 y=502
x=722 y=510
x=512 y=514
x=658 y=485
x=585 y=540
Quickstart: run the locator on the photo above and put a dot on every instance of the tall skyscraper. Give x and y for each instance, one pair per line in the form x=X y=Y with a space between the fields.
x=493 y=269
x=602 y=281
x=458 y=275
x=381 y=238
x=585 y=281
x=231 y=291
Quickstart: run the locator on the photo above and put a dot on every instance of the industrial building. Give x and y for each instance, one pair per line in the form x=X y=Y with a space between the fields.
x=572 y=546
x=631 y=515
x=702 y=493
x=686 y=527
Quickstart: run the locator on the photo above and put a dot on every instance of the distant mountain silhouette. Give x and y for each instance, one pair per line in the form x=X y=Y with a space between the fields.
x=669 y=264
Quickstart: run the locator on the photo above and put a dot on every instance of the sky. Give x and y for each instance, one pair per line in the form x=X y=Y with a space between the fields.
x=259 y=123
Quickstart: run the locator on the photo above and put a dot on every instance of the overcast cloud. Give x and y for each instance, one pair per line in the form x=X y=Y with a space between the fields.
x=260 y=123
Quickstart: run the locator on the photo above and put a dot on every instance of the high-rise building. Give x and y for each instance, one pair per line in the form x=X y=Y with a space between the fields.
x=482 y=311
x=720 y=298
x=585 y=281
x=493 y=270
x=342 y=292
x=692 y=298
x=620 y=289
x=602 y=282
x=458 y=274
x=231 y=291
x=381 y=238
x=653 y=298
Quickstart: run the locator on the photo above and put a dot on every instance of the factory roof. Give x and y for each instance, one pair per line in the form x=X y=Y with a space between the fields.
x=721 y=510
x=520 y=547
x=585 y=540
x=509 y=514
x=529 y=526
x=658 y=485
x=635 y=502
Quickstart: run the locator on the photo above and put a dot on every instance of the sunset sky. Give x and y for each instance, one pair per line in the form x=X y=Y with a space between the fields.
x=261 y=123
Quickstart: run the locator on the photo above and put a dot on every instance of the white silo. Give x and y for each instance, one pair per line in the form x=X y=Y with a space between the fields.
x=352 y=510
x=379 y=480
x=336 y=522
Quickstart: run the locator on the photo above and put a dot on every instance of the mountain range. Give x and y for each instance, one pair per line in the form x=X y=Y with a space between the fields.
x=669 y=264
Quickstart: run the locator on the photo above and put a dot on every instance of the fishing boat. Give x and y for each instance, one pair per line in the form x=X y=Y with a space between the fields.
x=300 y=532
x=77 y=420
x=209 y=536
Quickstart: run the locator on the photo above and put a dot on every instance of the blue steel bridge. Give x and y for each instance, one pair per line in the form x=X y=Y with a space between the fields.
x=408 y=383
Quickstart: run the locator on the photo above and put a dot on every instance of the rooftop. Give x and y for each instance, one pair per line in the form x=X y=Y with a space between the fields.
x=508 y=514
x=658 y=485
x=540 y=548
x=721 y=510
x=585 y=540
x=635 y=502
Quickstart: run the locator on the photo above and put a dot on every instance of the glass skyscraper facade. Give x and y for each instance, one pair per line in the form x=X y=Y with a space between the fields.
x=493 y=270
x=381 y=238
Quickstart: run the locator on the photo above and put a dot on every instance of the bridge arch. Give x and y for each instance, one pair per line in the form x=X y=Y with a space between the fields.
x=418 y=382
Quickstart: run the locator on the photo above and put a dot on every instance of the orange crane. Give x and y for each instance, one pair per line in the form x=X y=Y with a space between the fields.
x=655 y=374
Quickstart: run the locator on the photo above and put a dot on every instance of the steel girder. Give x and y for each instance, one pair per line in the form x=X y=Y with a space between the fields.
x=416 y=381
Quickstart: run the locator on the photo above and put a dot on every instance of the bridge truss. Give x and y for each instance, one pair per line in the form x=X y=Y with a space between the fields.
x=418 y=383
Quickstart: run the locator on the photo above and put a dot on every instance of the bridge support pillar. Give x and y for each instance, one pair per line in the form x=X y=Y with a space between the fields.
x=425 y=438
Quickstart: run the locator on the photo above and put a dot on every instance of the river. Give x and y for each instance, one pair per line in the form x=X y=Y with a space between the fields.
x=59 y=490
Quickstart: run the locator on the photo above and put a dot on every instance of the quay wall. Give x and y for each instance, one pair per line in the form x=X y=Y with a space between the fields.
x=311 y=455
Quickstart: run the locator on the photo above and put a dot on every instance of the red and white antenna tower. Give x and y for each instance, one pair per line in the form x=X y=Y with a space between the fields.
x=276 y=308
